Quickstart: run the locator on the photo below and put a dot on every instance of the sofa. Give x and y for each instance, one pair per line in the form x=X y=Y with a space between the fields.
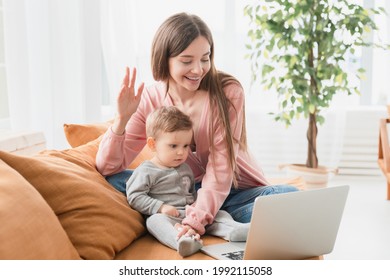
x=55 y=205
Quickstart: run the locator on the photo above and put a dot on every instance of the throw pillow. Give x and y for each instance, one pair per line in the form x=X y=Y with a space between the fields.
x=80 y=134
x=96 y=217
x=29 y=228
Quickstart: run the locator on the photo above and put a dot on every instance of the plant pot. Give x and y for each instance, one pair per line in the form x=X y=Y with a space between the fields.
x=314 y=177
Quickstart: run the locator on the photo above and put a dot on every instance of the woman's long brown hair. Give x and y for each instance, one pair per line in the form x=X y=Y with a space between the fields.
x=172 y=38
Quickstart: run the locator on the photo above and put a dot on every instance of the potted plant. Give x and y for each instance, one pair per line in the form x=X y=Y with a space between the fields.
x=299 y=48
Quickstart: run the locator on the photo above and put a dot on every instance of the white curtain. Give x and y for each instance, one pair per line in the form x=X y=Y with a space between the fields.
x=66 y=59
x=128 y=28
x=53 y=59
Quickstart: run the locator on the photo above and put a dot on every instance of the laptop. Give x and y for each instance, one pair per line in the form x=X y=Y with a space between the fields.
x=289 y=226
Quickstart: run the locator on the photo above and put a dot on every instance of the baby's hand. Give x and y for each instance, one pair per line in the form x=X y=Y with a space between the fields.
x=169 y=210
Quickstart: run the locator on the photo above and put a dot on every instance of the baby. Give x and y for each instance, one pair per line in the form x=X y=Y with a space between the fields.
x=161 y=187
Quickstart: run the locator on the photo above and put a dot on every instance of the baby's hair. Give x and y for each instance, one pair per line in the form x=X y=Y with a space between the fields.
x=167 y=119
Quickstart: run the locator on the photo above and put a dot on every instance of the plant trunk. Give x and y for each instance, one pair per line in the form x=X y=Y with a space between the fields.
x=312 y=160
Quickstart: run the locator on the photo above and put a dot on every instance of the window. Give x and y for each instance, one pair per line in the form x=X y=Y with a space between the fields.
x=4 y=111
x=380 y=58
x=87 y=56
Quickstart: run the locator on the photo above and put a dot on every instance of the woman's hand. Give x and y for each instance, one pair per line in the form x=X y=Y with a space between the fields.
x=169 y=210
x=127 y=101
x=186 y=230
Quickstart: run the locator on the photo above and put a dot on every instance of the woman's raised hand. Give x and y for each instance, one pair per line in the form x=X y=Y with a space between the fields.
x=127 y=101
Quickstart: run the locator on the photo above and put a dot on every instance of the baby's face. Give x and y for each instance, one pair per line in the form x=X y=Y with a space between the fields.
x=172 y=148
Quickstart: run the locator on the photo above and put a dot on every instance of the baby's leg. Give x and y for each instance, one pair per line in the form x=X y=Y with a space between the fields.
x=188 y=245
x=225 y=227
x=163 y=228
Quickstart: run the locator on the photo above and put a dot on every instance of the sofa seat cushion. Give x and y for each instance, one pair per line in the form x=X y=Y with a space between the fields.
x=95 y=216
x=29 y=228
x=149 y=248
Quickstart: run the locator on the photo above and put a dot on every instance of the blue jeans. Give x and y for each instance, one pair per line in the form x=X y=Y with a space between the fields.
x=239 y=202
x=119 y=180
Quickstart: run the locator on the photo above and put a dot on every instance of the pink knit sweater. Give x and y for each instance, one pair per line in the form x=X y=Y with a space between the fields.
x=211 y=167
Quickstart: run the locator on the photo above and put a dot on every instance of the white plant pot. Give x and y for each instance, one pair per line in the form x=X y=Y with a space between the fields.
x=314 y=178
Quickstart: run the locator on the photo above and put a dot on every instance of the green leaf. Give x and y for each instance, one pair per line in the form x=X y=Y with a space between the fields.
x=266 y=54
x=292 y=99
x=320 y=119
x=281 y=43
x=267 y=69
x=300 y=49
x=339 y=78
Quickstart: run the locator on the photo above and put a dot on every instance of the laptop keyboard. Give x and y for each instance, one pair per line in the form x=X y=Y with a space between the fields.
x=237 y=255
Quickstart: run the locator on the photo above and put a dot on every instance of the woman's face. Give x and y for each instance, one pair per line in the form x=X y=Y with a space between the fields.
x=189 y=68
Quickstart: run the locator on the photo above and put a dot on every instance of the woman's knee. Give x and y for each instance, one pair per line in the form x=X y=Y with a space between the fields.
x=277 y=189
x=243 y=214
x=241 y=207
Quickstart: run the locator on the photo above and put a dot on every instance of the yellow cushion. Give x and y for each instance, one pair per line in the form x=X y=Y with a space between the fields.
x=96 y=217
x=29 y=228
x=80 y=134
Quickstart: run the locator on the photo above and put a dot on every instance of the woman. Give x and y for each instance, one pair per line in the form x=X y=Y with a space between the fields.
x=183 y=64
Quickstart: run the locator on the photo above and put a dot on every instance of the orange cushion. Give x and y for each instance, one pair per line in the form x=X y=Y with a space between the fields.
x=96 y=217
x=149 y=248
x=29 y=228
x=80 y=134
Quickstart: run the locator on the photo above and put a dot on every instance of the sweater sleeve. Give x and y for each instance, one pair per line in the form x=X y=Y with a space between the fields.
x=116 y=152
x=218 y=177
x=137 y=191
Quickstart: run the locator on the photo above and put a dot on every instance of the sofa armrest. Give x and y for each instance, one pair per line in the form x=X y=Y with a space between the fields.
x=22 y=142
